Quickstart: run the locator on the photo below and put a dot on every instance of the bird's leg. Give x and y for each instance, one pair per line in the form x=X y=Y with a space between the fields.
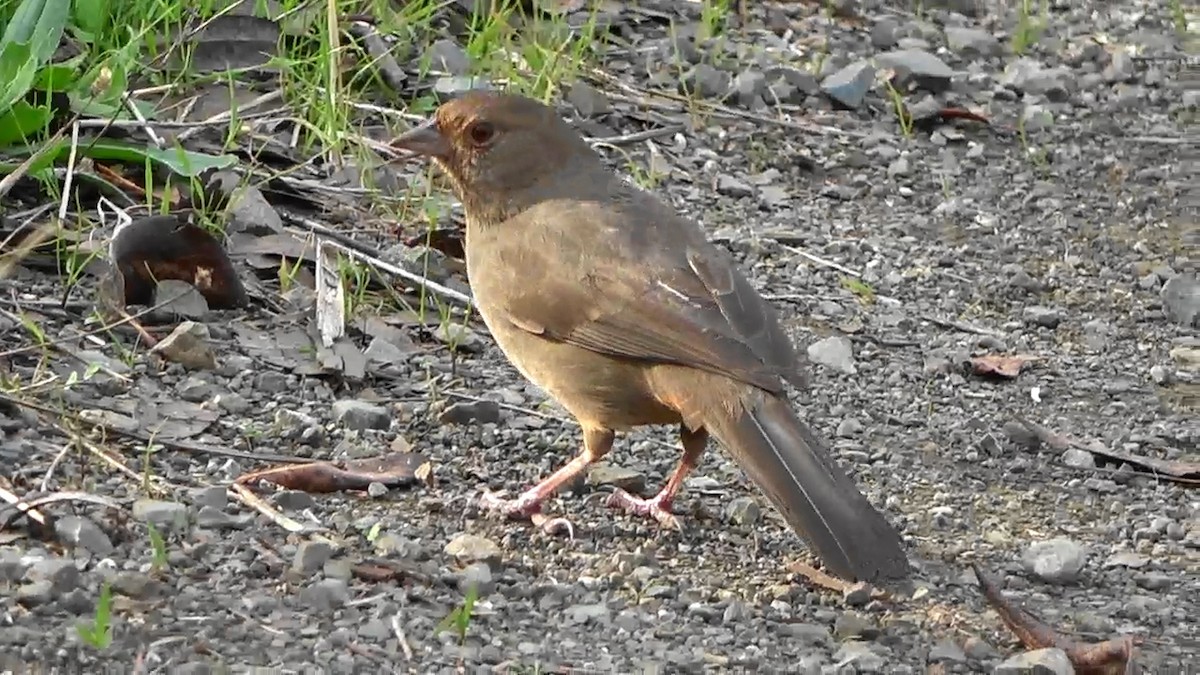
x=596 y=444
x=658 y=507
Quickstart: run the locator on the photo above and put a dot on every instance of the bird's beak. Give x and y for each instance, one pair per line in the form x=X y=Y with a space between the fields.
x=424 y=140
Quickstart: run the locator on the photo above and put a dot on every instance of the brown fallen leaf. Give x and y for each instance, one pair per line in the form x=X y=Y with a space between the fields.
x=999 y=365
x=1186 y=473
x=394 y=469
x=1114 y=656
x=156 y=248
x=1176 y=471
x=379 y=570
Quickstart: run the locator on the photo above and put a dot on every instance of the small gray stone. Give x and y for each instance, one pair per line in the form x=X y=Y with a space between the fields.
x=216 y=496
x=326 y=595
x=214 y=519
x=473 y=548
x=83 y=533
x=477 y=575
x=835 y=353
x=311 y=556
x=918 y=67
x=1029 y=77
x=77 y=602
x=947 y=650
x=1181 y=299
x=167 y=516
x=884 y=34
x=706 y=81
x=850 y=625
x=180 y=299
x=589 y=101
x=35 y=594
x=1121 y=67
x=734 y=612
x=458 y=337
x=383 y=352
x=1046 y=317
x=790 y=85
x=857 y=595
x=1056 y=561
x=1035 y=117
x=748 y=88
x=809 y=634
x=849 y=86
x=898 y=167
x=61 y=574
x=849 y=427
x=1037 y=662
x=743 y=511
x=448 y=57
x=188 y=346
x=293 y=500
x=580 y=614
x=483 y=411
x=660 y=591
x=375 y=489
x=733 y=187
x=1153 y=581
x=603 y=473
x=451 y=86
x=860 y=656
x=136 y=585
x=338 y=568
x=971 y=41
x=1096 y=334
x=272 y=382
x=360 y=415
x=978 y=649
x=1080 y=459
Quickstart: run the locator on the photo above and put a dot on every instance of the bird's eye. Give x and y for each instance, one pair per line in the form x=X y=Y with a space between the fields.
x=482 y=133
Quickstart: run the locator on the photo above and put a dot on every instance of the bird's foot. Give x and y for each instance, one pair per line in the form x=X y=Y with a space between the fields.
x=526 y=506
x=657 y=507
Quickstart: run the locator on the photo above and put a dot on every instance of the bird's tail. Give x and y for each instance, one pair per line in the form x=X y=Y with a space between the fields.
x=817 y=499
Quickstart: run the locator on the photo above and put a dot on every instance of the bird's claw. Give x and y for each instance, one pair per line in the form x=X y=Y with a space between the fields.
x=656 y=507
x=520 y=508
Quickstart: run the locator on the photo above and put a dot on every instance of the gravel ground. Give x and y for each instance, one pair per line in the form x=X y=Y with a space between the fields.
x=1059 y=233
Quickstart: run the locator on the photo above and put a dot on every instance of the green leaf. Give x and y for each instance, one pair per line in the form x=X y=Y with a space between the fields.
x=17 y=70
x=29 y=40
x=55 y=77
x=22 y=121
x=185 y=163
x=38 y=24
x=92 y=15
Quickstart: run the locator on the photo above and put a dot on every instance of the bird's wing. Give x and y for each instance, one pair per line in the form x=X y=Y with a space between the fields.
x=684 y=304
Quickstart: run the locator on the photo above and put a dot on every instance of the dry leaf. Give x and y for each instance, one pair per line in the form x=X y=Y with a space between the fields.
x=1111 y=657
x=156 y=248
x=999 y=365
x=393 y=470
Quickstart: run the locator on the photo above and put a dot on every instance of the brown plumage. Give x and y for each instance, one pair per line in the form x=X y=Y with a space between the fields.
x=617 y=306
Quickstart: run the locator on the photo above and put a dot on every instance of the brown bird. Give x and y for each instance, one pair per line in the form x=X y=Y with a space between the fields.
x=625 y=313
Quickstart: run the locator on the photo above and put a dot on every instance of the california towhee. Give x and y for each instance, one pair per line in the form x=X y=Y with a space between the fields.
x=625 y=313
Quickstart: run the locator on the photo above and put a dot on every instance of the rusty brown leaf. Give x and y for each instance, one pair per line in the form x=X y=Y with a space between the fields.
x=1000 y=365
x=393 y=470
x=160 y=247
x=1114 y=656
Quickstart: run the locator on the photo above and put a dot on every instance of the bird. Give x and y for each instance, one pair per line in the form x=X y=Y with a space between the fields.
x=622 y=310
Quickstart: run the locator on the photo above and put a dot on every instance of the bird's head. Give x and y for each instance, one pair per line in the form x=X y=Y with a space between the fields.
x=498 y=147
